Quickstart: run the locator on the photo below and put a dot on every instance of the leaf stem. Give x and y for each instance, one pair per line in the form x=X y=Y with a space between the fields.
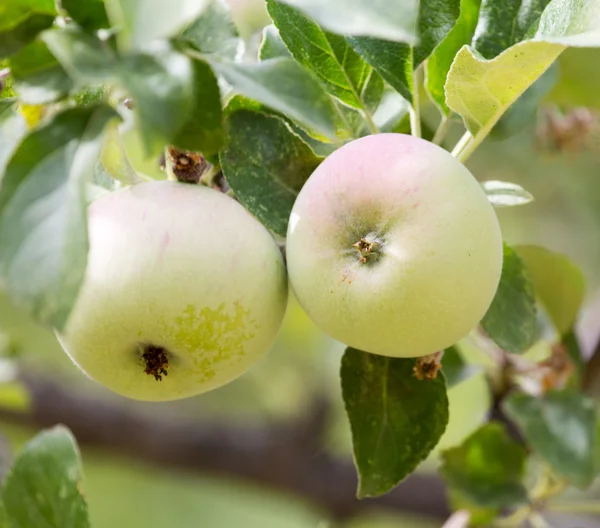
x=415 y=110
x=465 y=146
x=442 y=130
x=369 y=119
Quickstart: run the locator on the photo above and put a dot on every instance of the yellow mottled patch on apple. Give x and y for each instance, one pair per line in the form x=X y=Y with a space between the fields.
x=212 y=336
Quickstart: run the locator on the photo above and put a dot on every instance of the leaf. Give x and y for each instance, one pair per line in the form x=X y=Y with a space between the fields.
x=203 y=128
x=214 y=32
x=90 y=15
x=21 y=21
x=85 y=57
x=511 y=320
x=141 y=22
x=392 y=115
x=455 y=368
x=523 y=111
x=114 y=158
x=42 y=486
x=376 y=18
x=560 y=426
x=271 y=45
x=438 y=64
x=286 y=87
x=395 y=61
x=487 y=469
x=503 y=24
x=481 y=90
x=396 y=419
x=558 y=283
x=506 y=194
x=480 y=516
x=43 y=231
x=266 y=164
x=38 y=78
x=341 y=70
x=177 y=100
x=391 y=60
x=13 y=128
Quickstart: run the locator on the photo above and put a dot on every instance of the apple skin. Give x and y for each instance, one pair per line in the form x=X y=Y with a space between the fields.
x=177 y=266
x=439 y=259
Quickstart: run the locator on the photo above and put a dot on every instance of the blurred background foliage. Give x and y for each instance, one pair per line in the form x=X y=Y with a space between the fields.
x=565 y=217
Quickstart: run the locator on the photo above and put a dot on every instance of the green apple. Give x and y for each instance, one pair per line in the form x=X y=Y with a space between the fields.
x=184 y=291
x=393 y=247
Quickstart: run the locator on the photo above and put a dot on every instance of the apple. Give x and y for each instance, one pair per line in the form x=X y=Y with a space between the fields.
x=393 y=247
x=184 y=291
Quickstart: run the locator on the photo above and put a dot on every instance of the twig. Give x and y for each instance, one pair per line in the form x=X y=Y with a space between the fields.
x=287 y=457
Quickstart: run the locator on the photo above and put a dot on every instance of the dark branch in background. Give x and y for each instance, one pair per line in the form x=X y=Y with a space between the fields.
x=287 y=457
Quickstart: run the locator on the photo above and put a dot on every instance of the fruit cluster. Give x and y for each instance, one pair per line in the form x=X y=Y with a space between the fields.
x=392 y=248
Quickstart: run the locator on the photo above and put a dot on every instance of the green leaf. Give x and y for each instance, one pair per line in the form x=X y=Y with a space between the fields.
x=284 y=86
x=43 y=231
x=341 y=70
x=266 y=164
x=503 y=24
x=85 y=57
x=177 y=100
x=506 y=194
x=523 y=111
x=21 y=21
x=392 y=115
x=42 y=486
x=560 y=426
x=38 y=77
x=214 y=32
x=439 y=62
x=487 y=469
x=203 y=129
x=394 y=21
x=436 y=20
x=89 y=15
x=394 y=61
x=481 y=90
x=271 y=45
x=558 y=283
x=511 y=320
x=455 y=368
x=396 y=419
x=141 y=22
x=12 y=130
x=114 y=159
x=480 y=516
